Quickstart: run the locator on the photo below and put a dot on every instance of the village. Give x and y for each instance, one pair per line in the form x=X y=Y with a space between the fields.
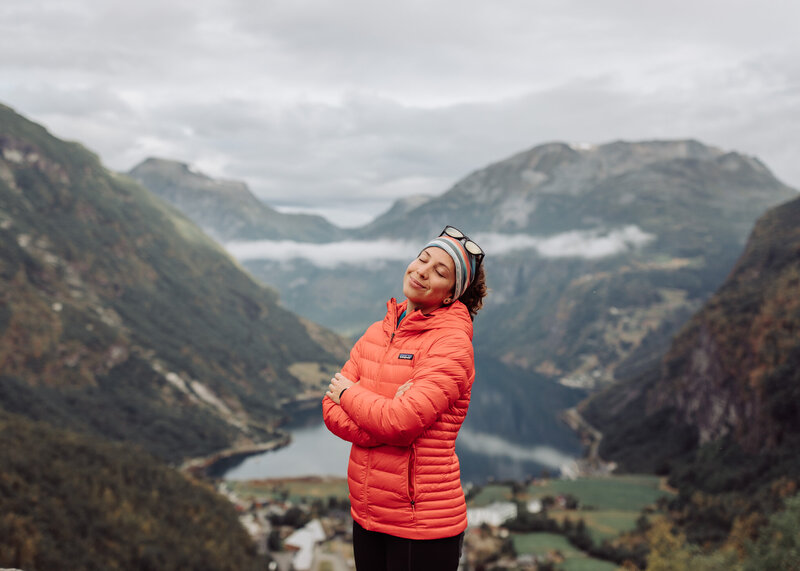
x=304 y=524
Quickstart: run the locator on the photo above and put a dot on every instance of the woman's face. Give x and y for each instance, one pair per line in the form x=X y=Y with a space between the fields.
x=429 y=280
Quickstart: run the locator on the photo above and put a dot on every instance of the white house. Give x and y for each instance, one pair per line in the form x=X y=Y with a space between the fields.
x=494 y=514
x=303 y=541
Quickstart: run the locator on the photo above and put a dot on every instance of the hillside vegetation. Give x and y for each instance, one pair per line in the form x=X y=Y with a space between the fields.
x=720 y=414
x=73 y=502
x=119 y=317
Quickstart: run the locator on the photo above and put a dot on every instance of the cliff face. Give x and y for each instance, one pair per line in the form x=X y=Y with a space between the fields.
x=119 y=317
x=730 y=382
x=719 y=373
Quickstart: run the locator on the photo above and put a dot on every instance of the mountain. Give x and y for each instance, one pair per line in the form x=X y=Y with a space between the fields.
x=720 y=413
x=558 y=187
x=73 y=502
x=596 y=255
x=227 y=210
x=730 y=382
x=120 y=318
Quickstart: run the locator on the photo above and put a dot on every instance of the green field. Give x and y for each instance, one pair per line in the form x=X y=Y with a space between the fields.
x=544 y=543
x=490 y=494
x=609 y=506
x=601 y=524
x=626 y=493
x=291 y=489
x=541 y=543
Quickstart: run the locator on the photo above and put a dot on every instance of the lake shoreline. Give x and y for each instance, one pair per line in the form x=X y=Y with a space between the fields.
x=220 y=462
x=214 y=465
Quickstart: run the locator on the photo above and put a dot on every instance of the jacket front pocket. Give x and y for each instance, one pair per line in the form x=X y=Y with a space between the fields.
x=412 y=469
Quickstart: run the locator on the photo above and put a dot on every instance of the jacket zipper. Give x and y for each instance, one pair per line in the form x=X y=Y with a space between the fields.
x=369 y=451
x=412 y=488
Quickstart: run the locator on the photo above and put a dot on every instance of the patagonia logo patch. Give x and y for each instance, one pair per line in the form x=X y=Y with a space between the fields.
x=406 y=356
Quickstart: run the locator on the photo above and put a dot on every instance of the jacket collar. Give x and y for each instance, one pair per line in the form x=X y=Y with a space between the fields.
x=455 y=315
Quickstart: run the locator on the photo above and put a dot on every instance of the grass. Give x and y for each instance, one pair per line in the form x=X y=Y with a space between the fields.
x=544 y=543
x=602 y=524
x=294 y=489
x=624 y=493
x=490 y=494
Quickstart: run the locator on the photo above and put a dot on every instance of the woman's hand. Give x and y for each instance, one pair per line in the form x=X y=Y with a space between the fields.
x=403 y=388
x=338 y=385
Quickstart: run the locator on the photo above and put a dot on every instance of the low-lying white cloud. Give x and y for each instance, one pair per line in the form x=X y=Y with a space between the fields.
x=356 y=252
x=589 y=244
x=490 y=445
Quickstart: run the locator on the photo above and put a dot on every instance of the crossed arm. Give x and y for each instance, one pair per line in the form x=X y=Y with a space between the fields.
x=368 y=419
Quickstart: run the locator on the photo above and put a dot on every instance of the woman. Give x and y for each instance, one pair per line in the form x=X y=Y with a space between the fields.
x=401 y=399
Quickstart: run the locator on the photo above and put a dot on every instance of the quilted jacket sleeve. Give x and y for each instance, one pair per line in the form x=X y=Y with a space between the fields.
x=438 y=380
x=336 y=419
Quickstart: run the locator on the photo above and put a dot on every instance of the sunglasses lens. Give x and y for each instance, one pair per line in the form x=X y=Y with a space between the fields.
x=473 y=248
x=469 y=245
x=453 y=232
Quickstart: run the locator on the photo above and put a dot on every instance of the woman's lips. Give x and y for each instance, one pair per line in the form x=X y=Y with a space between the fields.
x=415 y=283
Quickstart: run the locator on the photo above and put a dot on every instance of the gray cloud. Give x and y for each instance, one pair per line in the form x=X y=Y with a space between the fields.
x=343 y=107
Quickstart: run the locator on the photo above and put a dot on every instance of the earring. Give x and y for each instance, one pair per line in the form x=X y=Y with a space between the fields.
x=448 y=301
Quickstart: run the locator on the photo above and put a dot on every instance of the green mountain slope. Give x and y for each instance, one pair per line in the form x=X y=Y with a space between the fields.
x=732 y=372
x=71 y=502
x=227 y=210
x=119 y=317
x=721 y=412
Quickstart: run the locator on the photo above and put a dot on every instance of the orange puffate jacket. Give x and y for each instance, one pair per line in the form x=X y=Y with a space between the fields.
x=403 y=473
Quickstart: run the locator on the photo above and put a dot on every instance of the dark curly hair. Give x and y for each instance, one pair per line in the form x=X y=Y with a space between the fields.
x=474 y=294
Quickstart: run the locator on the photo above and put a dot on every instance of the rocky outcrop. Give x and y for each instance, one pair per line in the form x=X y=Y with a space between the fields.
x=730 y=381
x=716 y=374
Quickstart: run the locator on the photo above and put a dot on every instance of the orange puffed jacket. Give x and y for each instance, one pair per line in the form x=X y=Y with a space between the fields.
x=403 y=474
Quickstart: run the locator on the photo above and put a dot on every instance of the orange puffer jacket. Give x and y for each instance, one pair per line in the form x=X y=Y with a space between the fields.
x=403 y=473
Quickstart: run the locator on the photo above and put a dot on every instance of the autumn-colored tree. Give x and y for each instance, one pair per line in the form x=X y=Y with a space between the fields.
x=778 y=543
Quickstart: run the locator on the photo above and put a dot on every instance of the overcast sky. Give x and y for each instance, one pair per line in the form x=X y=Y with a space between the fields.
x=343 y=106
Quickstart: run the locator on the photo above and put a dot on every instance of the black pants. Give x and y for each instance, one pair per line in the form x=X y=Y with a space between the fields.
x=376 y=551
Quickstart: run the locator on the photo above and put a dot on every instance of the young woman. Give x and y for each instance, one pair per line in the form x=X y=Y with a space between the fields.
x=401 y=399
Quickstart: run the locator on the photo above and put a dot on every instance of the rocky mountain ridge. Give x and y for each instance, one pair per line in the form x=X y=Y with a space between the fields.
x=227 y=210
x=595 y=254
x=558 y=186
x=119 y=317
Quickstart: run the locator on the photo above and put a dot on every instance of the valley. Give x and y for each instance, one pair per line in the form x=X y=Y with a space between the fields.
x=643 y=304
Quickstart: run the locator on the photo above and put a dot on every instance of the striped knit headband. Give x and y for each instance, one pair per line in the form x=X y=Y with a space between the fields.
x=464 y=262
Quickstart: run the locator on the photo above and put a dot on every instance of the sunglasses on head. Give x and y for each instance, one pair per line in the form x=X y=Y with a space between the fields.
x=469 y=245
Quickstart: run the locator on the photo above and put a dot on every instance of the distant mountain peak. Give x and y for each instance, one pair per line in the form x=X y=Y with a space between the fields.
x=226 y=209
x=181 y=174
x=560 y=187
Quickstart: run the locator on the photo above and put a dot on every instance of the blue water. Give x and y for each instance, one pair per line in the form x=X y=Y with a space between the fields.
x=512 y=431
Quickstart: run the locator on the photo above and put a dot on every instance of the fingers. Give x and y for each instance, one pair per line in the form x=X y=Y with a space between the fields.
x=333 y=394
x=403 y=388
